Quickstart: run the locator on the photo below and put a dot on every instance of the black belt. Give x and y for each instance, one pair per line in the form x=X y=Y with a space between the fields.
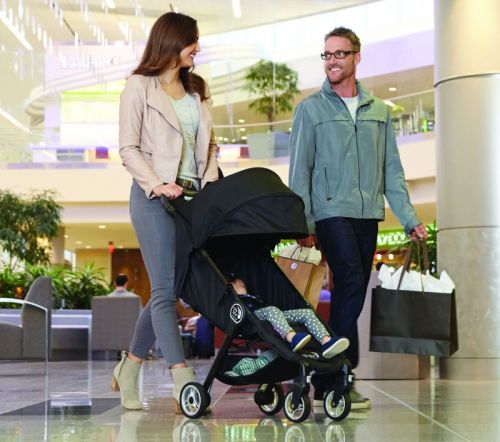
x=186 y=184
x=188 y=187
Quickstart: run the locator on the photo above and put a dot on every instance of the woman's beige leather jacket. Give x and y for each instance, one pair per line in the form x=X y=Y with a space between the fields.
x=150 y=137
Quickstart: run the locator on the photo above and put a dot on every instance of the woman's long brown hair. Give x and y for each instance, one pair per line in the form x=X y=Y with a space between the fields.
x=170 y=34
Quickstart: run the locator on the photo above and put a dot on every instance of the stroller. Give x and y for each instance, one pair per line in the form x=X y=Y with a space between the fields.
x=231 y=227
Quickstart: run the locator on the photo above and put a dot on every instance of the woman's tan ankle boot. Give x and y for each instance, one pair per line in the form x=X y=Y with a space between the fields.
x=181 y=377
x=124 y=380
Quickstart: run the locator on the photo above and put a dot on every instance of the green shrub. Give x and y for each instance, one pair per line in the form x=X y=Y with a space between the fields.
x=72 y=289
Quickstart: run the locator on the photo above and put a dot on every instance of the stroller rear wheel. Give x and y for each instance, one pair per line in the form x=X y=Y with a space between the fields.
x=299 y=413
x=270 y=398
x=340 y=410
x=194 y=400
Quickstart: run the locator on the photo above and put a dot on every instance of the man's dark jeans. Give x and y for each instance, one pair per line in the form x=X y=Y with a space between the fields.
x=349 y=245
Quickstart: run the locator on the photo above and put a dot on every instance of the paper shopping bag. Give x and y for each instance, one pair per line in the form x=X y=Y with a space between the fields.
x=421 y=323
x=306 y=277
x=413 y=321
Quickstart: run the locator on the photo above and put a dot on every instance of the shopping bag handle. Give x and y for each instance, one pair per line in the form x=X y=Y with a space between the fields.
x=421 y=246
x=299 y=249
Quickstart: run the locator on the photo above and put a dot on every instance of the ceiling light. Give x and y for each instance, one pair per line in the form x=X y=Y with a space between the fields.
x=242 y=129
x=236 y=8
x=110 y=4
x=102 y=226
x=241 y=120
x=5 y=20
x=66 y=236
x=88 y=246
x=393 y=89
x=78 y=242
x=389 y=103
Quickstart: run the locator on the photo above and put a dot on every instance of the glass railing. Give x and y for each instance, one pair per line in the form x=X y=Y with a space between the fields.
x=411 y=114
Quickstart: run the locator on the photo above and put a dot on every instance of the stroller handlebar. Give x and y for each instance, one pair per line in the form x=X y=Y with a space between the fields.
x=167 y=205
x=171 y=206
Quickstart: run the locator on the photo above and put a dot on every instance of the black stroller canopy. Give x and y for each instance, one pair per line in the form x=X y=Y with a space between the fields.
x=250 y=202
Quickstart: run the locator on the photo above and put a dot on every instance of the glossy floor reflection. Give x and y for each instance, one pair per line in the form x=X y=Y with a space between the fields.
x=74 y=403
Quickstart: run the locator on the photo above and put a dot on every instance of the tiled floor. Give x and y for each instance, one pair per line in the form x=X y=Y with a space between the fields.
x=74 y=403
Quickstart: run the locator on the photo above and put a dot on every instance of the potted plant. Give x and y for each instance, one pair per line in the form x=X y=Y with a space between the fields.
x=27 y=225
x=275 y=84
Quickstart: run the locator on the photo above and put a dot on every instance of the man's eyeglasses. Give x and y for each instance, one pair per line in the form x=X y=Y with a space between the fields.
x=339 y=55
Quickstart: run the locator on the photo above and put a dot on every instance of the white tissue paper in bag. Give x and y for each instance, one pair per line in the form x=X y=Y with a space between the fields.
x=305 y=254
x=433 y=285
x=385 y=276
x=446 y=281
x=412 y=281
x=430 y=283
x=415 y=281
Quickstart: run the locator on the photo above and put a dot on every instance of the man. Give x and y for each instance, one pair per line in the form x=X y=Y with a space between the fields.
x=343 y=160
x=121 y=284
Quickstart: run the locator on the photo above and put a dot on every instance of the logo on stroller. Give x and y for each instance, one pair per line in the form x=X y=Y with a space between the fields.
x=236 y=313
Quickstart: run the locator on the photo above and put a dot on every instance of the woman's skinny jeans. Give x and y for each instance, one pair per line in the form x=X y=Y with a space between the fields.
x=155 y=231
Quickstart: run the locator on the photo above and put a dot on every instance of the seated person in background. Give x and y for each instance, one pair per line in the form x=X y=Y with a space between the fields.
x=121 y=283
x=330 y=345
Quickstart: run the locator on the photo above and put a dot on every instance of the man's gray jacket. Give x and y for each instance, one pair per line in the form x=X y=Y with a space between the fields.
x=344 y=169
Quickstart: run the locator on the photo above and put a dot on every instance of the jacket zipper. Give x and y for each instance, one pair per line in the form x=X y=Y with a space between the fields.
x=359 y=175
x=357 y=153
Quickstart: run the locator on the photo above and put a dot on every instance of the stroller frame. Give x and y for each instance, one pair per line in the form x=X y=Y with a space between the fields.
x=269 y=396
x=254 y=210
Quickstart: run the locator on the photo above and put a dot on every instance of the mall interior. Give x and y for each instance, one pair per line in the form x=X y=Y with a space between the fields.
x=64 y=64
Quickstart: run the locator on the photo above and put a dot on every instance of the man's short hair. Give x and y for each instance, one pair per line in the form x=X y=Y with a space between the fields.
x=121 y=280
x=346 y=33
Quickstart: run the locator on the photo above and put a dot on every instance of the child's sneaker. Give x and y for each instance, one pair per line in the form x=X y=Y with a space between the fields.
x=336 y=345
x=299 y=341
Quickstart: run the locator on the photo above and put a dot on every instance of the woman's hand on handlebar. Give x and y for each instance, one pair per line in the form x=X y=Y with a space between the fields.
x=170 y=190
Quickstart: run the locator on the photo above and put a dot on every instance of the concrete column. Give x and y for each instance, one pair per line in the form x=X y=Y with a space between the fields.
x=467 y=82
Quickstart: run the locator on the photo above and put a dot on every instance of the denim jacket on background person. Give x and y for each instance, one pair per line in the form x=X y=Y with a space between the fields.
x=344 y=169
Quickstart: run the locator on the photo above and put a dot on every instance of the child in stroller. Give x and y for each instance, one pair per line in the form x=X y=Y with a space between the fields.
x=330 y=345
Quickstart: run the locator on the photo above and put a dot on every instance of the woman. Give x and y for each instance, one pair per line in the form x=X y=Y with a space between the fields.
x=167 y=144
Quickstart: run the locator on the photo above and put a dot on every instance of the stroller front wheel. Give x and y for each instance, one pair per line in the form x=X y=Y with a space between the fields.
x=340 y=410
x=194 y=400
x=299 y=413
x=270 y=398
